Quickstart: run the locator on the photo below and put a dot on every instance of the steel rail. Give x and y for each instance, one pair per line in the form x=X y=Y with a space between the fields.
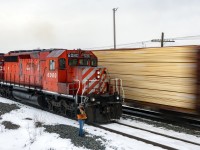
x=157 y=133
x=172 y=118
x=135 y=137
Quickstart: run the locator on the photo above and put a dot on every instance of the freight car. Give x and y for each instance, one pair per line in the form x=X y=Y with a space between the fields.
x=59 y=80
x=157 y=78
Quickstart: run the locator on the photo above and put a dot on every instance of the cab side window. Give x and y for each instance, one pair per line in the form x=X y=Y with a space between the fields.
x=94 y=62
x=62 y=63
x=52 y=65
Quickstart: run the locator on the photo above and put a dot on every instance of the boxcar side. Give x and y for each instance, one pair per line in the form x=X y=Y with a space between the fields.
x=163 y=78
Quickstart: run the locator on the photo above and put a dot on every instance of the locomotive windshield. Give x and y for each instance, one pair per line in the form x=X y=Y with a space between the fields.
x=81 y=59
x=73 y=62
x=83 y=62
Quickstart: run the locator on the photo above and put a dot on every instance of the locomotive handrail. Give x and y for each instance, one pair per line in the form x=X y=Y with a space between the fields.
x=123 y=95
x=82 y=93
x=79 y=84
x=116 y=86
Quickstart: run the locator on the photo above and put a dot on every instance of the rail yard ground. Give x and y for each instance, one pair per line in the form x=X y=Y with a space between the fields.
x=23 y=128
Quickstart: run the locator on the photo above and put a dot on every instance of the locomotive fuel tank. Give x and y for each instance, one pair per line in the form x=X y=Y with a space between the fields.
x=29 y=98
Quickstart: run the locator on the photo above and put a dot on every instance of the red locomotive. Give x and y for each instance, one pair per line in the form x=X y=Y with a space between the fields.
x=60 y=79
x=1 y=66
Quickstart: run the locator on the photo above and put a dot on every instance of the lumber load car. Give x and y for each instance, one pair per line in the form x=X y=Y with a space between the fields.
x=59 y=80
x=158 y=78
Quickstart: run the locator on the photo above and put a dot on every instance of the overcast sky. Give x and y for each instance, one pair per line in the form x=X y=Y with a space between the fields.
x=71 y=24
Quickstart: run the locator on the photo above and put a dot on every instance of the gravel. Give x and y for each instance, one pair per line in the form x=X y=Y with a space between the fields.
x=10 y=125
x=69 y=132
x=6 y=108
x=38 y=124
x=64 y=131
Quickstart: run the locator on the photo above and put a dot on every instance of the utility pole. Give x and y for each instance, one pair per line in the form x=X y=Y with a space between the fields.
x=162 y=40
x=114 y=28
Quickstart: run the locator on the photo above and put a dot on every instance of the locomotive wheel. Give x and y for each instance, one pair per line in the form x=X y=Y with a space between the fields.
x=49 y=106
x=63 y=109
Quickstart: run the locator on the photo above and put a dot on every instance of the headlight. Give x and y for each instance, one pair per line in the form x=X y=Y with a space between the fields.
x=98 y=76
x=92 y=99
x=117 y=98
x=98 y=72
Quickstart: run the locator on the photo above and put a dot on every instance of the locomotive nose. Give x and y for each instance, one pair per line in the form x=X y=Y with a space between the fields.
x=93 y=80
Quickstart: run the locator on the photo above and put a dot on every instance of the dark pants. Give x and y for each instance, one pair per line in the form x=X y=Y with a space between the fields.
x=81 y=124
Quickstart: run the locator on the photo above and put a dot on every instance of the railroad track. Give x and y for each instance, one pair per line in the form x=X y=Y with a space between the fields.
x=162 y=140
x=187 y=121
x=180 y=119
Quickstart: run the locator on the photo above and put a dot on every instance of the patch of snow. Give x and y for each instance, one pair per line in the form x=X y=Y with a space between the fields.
x=160 y=130
x=28 y=137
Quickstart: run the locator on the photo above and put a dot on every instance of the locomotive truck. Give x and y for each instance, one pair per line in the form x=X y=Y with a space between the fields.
x=59 y=80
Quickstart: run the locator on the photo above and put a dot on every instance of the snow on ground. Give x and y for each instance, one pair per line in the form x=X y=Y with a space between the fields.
x=156 y=138
x=28 y=137
x=161 y=130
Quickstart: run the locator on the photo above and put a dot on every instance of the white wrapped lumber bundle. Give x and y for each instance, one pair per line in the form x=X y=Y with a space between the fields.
x=164 y=76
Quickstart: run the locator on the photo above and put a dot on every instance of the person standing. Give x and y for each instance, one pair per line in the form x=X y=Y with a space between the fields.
x=81 y=116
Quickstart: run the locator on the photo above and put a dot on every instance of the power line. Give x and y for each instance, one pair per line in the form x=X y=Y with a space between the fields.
x=185 y=37
x=126 y=44
x=162 y=40
x=143 y=42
